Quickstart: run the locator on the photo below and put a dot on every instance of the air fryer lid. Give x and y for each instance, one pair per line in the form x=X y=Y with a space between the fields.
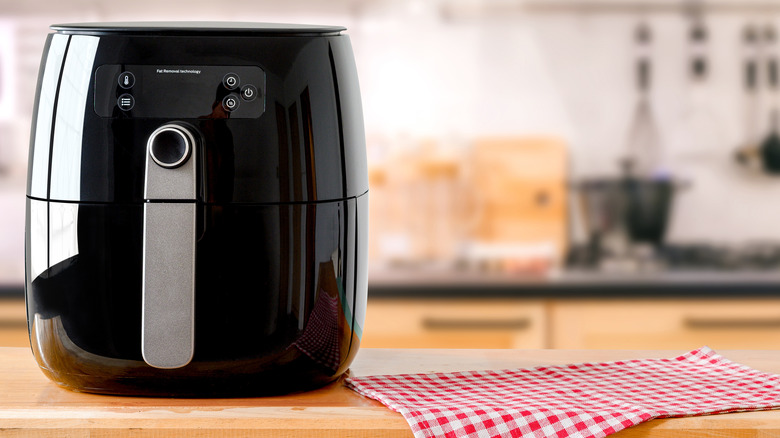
x=198 y=28
x=297 y=136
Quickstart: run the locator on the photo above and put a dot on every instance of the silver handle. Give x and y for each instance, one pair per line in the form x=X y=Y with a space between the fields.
x=168 y=288
x=168 y=319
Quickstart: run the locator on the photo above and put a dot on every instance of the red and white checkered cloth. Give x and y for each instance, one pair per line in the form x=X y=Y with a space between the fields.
x=582 y=400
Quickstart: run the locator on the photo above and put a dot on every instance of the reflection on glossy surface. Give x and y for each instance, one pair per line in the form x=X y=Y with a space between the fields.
x=37 y=238
x=322 y=339
x=69 y=118
x=63 y=226
x=43 y=114
x=352 y=129
x=361 y=281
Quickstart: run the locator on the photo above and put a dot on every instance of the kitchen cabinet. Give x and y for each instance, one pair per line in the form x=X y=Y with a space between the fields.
x=574 y=323
x=447 y=323
x=534 y=170
x=13 y=323
x=666 y=323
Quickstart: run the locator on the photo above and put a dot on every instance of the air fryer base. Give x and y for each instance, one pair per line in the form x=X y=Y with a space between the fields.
x=277 y=302
x=290 y=372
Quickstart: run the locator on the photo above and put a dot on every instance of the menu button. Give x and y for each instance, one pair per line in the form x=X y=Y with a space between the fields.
x=125 y=102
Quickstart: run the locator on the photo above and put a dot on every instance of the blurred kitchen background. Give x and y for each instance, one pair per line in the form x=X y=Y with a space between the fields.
x=543 y=173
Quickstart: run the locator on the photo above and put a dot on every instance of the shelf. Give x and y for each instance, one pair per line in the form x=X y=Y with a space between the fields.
x=642 y=6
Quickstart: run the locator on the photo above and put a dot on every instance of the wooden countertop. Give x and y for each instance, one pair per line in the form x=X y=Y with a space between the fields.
x=32 y=406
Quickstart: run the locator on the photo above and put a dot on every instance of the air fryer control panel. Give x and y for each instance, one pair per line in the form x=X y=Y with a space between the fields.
x=168 y=91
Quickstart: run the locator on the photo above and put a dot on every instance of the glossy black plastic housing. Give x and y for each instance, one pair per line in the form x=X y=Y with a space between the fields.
x=312 y=102
x=281 y=213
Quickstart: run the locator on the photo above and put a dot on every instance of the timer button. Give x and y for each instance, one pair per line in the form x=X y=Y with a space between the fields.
x=126 y=80
x=230 y=102
x=248 y=93
x=231 y=81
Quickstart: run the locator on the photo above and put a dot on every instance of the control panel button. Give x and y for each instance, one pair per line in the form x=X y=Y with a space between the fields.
x=170 y=145
x=126 y=80
x=230 y=102
x=248 y=92
x=179 y=91
x=125 y=102
x=231 y=81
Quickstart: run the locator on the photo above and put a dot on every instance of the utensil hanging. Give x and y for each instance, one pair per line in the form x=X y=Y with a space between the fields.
x=747 y=152
x=770 y=147
x=643 y=144
x=757 y=153
x=699 y=130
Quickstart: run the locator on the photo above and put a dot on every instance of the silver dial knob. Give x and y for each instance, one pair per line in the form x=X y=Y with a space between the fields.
x=171 y=145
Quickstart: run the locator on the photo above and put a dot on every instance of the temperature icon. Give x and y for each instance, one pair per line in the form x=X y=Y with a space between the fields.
x=126 y=80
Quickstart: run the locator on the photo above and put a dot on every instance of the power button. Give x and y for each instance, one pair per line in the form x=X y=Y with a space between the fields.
x=248 y=92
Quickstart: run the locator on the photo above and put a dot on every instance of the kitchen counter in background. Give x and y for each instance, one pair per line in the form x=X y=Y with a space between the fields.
x=409 y=283
x=575 y=310
x=32 y=406
x=11 y=291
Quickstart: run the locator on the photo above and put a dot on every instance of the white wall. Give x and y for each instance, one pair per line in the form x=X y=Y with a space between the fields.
x=567 y=73
x=456 y=70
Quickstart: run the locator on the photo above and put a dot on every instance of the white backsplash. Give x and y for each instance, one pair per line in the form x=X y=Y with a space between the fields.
x=457 y=70
x=590 y=58
x=572 y=74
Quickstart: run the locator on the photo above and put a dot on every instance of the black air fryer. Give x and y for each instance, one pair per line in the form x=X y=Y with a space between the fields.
x=197 y=208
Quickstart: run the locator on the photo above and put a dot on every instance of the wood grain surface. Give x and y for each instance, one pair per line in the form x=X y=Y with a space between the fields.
x=32 y=406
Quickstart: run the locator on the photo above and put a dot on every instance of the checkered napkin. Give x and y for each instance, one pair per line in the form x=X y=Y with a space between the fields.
x=582 y=400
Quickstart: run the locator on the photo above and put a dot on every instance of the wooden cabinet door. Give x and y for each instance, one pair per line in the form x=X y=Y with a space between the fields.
x=13 y=323
x=466 y=323
x=666 y=324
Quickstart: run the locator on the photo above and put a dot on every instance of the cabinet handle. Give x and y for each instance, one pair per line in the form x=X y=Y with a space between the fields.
x=731 y=323
x=6 y=324
x=432 y=323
